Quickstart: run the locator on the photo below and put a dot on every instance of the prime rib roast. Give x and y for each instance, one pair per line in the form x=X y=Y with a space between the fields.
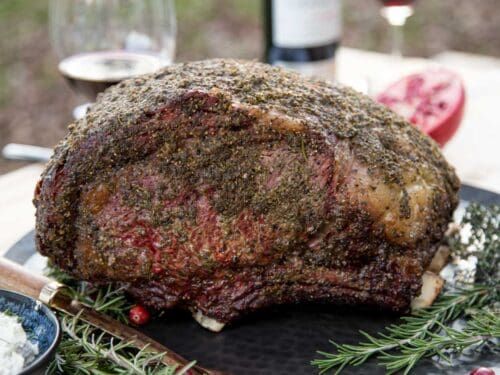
x=226 y=186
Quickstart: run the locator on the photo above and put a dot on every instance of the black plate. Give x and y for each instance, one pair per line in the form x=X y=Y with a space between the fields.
x=282 y=340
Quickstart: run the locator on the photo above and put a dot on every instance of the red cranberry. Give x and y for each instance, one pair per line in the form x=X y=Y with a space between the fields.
x=482 y=371
x=138 y=315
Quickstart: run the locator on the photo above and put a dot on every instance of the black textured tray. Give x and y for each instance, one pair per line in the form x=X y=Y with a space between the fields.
x=285 y=339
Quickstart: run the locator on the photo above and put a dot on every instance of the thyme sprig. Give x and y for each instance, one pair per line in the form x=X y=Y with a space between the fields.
x=482 y=239
x=427 y=333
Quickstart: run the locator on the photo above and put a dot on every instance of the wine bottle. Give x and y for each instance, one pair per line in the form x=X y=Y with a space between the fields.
x=303 y=35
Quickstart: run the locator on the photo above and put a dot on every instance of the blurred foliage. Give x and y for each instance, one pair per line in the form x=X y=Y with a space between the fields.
x=18 y=19
x=224 y=28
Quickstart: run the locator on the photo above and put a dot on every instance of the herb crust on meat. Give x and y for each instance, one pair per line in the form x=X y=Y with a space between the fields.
x=225 y=186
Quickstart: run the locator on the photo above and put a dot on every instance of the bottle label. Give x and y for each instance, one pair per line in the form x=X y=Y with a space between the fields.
x=306 y=23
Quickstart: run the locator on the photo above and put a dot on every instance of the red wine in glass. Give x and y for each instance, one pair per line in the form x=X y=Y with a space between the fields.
x=91 y=73
x=100 y=43
x=391 y=3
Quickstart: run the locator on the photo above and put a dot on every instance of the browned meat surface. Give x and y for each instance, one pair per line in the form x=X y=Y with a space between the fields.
x=225 y=186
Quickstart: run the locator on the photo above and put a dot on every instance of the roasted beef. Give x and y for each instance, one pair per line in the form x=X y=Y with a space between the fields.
x=225 y=186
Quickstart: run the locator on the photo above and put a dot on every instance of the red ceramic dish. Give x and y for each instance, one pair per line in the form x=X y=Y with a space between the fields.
x=432 y=100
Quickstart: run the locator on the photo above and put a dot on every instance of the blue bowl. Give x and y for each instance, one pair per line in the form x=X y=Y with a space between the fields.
x=40 y=324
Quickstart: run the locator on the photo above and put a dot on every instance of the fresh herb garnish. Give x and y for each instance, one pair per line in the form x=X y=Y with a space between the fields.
x=86 y=350
x=427 y=333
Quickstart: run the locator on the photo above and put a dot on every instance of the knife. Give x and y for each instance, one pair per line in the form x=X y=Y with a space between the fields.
x=16 y=151
x=14 y=277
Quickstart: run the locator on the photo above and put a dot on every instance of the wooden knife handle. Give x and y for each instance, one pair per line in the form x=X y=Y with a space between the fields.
x=18 y=279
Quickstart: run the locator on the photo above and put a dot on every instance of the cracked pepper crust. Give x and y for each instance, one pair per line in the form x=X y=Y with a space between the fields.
x=225 y=186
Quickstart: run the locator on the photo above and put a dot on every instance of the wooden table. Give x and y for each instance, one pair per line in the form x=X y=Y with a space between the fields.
x=474 y=151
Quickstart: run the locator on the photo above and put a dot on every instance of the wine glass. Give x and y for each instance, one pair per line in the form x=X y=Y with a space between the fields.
x=101 y=42
x=396 y=13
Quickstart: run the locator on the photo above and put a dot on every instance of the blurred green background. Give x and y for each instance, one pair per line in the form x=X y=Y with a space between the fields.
x=36 y=104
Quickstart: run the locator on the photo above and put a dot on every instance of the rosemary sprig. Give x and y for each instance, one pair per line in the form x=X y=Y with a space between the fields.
x=86 y=350
x=481 y=329
x=427 y=332
x=109 y=299
x=89 y=351
x=411 y=333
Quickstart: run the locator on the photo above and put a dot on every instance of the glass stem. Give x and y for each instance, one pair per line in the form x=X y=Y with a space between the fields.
x=80 y=110
x=397 y=40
